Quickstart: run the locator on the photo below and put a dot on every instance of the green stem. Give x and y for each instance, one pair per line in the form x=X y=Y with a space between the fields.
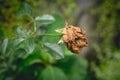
x=50 y=35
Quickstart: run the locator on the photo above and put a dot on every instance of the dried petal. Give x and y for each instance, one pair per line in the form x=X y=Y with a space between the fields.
x=74 y=38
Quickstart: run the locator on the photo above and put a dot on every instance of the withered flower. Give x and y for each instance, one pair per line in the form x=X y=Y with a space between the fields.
x=73 y=37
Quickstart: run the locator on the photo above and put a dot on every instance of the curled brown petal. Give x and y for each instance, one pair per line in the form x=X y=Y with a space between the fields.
x=74 y=38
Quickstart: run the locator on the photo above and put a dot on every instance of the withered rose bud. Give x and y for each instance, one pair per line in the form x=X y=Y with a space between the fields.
x=74 y=38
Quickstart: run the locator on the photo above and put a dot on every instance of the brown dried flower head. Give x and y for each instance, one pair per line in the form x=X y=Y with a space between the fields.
x=74 y=38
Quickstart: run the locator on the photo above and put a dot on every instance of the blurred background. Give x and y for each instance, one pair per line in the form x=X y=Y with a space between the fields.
x=101 y=21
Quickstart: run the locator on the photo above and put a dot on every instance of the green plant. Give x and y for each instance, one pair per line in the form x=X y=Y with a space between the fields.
x=33 y=53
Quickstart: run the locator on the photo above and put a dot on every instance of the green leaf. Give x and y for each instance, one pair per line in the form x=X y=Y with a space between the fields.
x=25 y=9
x=30 y=60
x=47 y=58
x=78 y=70
x=20 y=53
x=45 y=19
x=58 y=24
x=74 y=66
x=23 y=32
x=20 y=32
x=29 y=45
x=55 y=50
x=52 y=73
x=4 y=46
x=18 y=41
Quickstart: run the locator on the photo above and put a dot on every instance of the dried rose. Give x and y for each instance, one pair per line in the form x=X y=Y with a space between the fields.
x=74 y=38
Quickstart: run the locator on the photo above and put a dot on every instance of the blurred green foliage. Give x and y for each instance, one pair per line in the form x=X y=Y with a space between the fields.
x=106 y=64
x=8 y=15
